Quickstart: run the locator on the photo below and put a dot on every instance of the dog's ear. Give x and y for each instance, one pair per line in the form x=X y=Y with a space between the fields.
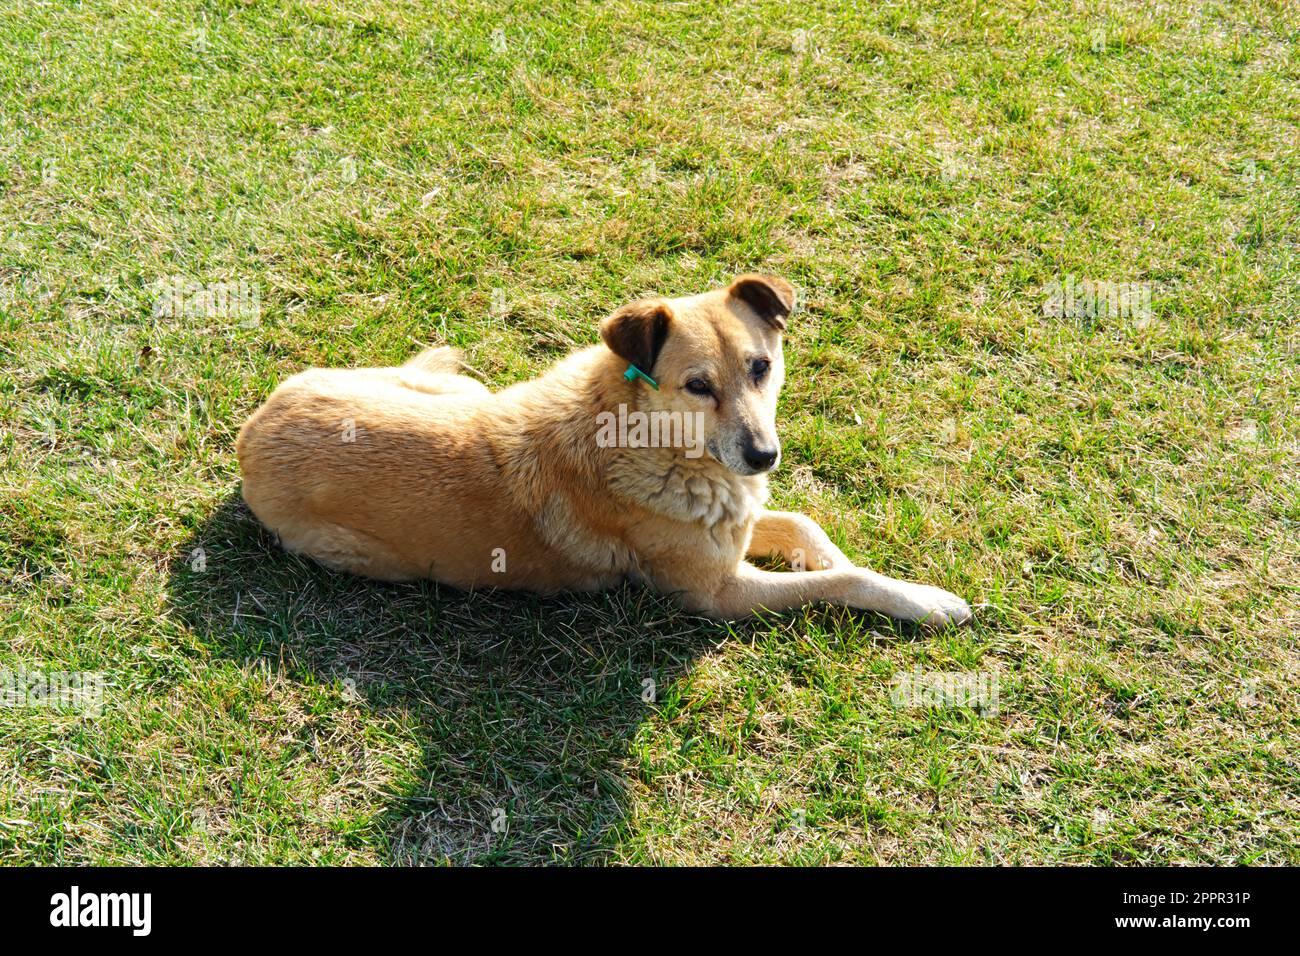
x=637 y=332
x=771 y=298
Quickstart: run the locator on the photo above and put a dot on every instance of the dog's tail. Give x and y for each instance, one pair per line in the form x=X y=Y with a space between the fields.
x=440 y=358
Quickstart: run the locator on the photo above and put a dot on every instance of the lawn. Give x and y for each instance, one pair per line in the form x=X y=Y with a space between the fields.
x=1117 y=489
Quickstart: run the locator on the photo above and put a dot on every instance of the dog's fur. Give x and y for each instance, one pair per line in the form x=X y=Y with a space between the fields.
x=419 y=471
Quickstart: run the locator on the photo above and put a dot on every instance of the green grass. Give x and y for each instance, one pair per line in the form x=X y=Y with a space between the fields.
x=1121 y=496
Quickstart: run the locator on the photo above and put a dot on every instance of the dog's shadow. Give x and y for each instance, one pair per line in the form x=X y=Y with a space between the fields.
x=523 y=709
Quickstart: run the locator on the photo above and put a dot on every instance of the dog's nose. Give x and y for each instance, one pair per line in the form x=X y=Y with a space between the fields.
x=759 y=458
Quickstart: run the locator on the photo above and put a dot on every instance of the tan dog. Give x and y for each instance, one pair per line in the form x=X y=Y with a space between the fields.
x=417 y=471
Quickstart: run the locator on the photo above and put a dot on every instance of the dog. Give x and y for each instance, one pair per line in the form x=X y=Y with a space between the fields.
x=420 y=471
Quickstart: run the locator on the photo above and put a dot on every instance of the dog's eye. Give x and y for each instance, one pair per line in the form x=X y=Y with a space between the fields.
x=759 y=368
x=697 y=386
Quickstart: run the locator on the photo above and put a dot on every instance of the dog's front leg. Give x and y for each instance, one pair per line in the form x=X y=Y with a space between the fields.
x=796 y=538
x=750 y=589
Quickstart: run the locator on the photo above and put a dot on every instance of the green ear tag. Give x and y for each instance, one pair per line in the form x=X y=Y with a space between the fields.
x=633 y=373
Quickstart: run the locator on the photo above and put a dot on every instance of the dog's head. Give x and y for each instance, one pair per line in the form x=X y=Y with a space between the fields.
x=716 y=358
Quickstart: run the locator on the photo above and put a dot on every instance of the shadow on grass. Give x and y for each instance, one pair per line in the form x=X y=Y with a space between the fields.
x=521 y=704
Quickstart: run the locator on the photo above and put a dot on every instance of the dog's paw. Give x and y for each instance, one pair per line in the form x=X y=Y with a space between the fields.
x=820 y=556
x=933 y=607
x=826 y=561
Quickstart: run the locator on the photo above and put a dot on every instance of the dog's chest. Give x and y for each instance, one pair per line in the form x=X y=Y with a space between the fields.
x=716 y=500
x=690 y=491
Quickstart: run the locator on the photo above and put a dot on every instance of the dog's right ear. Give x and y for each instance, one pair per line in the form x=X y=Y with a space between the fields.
x=637 y=332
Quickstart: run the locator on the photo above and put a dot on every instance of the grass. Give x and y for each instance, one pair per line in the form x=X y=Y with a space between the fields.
x=1121 y=495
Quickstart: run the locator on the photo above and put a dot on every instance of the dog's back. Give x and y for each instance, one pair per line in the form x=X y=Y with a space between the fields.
x=401 y=473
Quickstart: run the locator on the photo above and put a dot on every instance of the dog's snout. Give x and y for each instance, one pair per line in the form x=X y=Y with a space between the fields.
x=759 y=457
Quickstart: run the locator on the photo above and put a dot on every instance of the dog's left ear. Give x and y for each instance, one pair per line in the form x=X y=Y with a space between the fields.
x=771 y=298
x=637 y=331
